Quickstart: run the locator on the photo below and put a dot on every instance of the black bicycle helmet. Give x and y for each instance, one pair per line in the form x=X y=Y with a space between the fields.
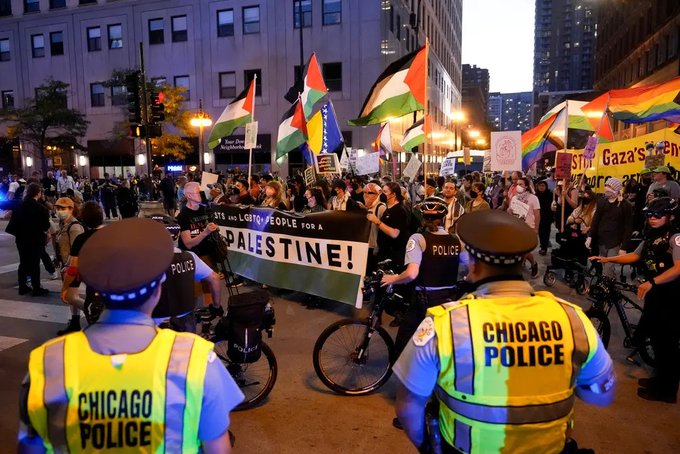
x=169 y=222
x=434 y=207
x=662 y=205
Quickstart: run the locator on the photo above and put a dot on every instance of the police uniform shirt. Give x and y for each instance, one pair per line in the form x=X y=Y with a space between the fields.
x=418 y=366
x=416 y=246
x=129 y=331
x=674 y=243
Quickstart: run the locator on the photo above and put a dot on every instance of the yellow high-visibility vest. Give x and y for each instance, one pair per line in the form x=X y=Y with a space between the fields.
x=150 y=401
x=508 y=367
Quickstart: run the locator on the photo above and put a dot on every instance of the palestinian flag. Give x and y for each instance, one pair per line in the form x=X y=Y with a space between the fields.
x=313 y=89
x=416 y=134
x=383 y=143
x=399 y=90
x=237 y=114
x=292 y=130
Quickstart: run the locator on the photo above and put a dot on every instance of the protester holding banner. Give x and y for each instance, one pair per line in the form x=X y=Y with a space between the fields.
x=612 y=224
x=341 y=201
x=242 y=194
x=392 y=227
x=274 y=196
x=315 y=201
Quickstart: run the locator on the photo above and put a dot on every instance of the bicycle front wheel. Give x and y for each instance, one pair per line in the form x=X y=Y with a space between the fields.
x=647 y=352
x=601 y=323
x=256 y=380
x=341 y=364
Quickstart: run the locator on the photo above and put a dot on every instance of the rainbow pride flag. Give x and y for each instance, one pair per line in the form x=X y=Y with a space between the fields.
x=645 y=104
x=535 y=142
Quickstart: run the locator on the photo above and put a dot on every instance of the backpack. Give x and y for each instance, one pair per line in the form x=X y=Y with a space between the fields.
x=241 y=327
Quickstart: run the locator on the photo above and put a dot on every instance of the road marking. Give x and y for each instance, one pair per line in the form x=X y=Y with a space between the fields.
x=9 y=342
x=53 y=313
x=11 y=268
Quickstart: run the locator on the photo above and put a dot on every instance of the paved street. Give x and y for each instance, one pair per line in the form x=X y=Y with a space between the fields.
x=301 y=415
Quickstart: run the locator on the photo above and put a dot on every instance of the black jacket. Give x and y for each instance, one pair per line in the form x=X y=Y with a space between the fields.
x=30 y=222
x=612 y=223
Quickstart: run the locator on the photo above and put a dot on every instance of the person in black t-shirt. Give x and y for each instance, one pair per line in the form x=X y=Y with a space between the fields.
x=393 y=230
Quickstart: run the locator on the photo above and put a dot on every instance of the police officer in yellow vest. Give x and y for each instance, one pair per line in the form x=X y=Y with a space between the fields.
x=123 y=384
x=505 y=362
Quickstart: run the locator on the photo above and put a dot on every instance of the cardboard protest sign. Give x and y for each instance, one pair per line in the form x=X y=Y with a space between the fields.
x=563 y=166
x=448 y=167
x=654 y=160
x=206 y=179
x=412 y=167
x=310 y=178
x=321 y=254
x=251 y=136
x=518 y=208
x=506 y=151
x=368 y=164
x=327 y=163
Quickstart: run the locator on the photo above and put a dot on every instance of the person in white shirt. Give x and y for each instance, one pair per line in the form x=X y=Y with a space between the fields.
x=525 y=205
x=64 y=183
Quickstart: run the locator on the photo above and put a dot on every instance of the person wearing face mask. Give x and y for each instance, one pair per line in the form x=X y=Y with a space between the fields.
x=477 y=201
x=659 y=254
x=612 y=224
x=525 y=205
x=392 y=227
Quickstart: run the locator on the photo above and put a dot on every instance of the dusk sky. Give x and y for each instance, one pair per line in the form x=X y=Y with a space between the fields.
x=499 y=35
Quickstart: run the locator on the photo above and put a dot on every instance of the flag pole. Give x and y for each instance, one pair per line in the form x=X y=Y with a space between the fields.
x=426 y=108
x=252 y=120
x=566 y=137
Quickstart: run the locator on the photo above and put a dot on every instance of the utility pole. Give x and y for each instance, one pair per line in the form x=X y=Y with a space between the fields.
x=145 y=111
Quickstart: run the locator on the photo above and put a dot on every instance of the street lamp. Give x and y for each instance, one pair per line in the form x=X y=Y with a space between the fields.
x=201 y=120
x=457 y=117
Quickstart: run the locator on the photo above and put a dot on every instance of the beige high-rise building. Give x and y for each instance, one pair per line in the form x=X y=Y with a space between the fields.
x=212 y=48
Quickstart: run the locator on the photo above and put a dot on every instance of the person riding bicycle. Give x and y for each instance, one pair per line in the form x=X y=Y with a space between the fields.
x=431 y=260
x=659 y=253
x=123 y=384
x=177 y=300
x=505 y=361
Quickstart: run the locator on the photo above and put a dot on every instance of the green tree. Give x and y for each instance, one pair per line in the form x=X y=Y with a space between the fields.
x=46 y=120
x=176 y=126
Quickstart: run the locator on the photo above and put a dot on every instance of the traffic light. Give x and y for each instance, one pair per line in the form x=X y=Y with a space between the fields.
x=147 y=131
x=133 y=98
x=157 y=106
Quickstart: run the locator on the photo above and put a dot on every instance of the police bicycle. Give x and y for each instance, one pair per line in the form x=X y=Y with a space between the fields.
x=607 y=293
x=255 y=379
x=354 y=357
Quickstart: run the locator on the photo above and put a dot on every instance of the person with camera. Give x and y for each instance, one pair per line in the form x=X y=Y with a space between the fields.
x=431 y=259
x=506 y=362
x=165 y=391
x=659 y=253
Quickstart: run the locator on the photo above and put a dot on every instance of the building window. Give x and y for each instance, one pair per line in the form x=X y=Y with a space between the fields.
x=87 y=2
x=4 y=50
x=179 y=29
x=38 y=45
x=115 y=36
x=306 y=6
x=94 y=39
x=54 y=4
x=332 y=12
x=227 y=85
x=97 y=95
x=118 y=95
x=5 y=7
x=31 y=6
x=156 y=31
x=7 y=99
x=225 y=22
x=332 y=74
x=248 y=75
x=251 y=20
x=183 y=81
x=56 y=43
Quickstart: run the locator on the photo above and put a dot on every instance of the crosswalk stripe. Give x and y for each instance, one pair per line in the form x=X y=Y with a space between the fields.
x=54 y=313
x=12 y=267
x=9 y=342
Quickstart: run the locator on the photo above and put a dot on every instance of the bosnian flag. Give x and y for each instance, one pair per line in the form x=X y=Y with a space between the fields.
x=292 y=130
x=383 y=143
x=237 y=114
x=416 y=134
x=399 y=90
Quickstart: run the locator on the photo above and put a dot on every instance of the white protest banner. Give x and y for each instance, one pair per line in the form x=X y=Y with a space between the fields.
x=251 y=136
x=506 y=151
x=206 y=179
x=519 y=208
x=353 y=155
x=448 y=167
x=412 y=168
x=368 y=164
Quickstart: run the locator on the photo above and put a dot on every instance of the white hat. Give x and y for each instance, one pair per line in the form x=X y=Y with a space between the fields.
x=614 y=183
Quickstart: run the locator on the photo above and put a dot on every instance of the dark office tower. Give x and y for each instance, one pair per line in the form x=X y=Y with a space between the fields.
x=564 y=46
x=475 y=94
x=637 y=43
